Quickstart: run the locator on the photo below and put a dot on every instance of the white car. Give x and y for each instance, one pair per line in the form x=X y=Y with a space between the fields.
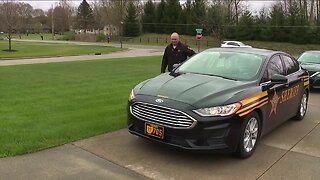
x=234 y=44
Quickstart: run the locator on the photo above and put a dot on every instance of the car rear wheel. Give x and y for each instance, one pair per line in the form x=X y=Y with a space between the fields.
x=302 y=107
x=249 y=135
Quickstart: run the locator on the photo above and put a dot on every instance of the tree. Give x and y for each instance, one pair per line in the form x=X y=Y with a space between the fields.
x=85 y=17
x=277 y=21
x=131 y=24
x=217 y=20
x=160 y=8
x=39 y=19
x=11 y=19
x=186 y=18
x=25 y=13
x=148 y=17
x=245 y=29
x=262 y=31
x=171 y=15
x=61 y=19
x=99 y=12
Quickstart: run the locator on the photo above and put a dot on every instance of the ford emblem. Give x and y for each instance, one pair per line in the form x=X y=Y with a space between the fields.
x=159 y=100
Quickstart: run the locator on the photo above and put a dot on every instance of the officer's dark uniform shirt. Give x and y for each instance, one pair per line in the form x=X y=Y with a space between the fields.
x=176 y=55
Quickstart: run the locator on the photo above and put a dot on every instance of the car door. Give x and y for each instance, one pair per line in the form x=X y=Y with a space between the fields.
x=274 y=113
x=291 y=95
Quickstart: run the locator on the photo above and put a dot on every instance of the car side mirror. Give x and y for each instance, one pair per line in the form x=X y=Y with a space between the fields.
x=173 y=72
x=279 y=79
x=175 y=66
x=275 y=79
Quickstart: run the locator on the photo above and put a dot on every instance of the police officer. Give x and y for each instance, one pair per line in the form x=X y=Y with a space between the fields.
x=175 y=53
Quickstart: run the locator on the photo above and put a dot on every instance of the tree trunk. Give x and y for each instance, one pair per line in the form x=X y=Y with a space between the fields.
x=311 y=11
x=236 y=9
x=9 y=38
x=318 y=9
x=306 y=9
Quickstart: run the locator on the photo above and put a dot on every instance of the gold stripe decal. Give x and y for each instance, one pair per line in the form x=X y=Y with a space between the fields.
x=251 y=106
x=306 y=83
x=254 y=98
x=247 y=112
x=259 y=103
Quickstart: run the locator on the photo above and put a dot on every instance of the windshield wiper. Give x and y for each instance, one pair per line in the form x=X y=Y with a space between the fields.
x=217 y=76
x=223 y=77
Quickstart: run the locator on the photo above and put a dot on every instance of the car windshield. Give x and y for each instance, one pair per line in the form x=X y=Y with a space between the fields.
x=310 y=57
x=230 y=65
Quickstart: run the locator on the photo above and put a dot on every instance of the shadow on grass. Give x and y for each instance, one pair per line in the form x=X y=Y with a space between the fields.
x=8 y=50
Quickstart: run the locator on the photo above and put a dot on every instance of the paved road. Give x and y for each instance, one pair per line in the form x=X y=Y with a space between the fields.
x=133 y=51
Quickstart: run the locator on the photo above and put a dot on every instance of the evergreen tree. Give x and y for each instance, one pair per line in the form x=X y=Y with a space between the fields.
x=131 y=24
x=245 y=29
x=262 y=30
x=148 y=17
x=184 y=18
x=198 y=11
x=277 y=21
x=85 y=16
x=160 y=15
x=297 y=18
x=171 y=15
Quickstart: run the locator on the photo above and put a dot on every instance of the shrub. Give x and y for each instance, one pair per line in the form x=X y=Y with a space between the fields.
x=101 y=37
x=69 y=36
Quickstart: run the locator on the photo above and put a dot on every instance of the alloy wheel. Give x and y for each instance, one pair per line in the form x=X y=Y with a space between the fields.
x=250 y=134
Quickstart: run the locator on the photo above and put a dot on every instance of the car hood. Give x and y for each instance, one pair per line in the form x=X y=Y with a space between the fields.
x=194 y=89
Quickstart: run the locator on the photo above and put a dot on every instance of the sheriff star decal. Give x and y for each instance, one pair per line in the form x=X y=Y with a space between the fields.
x=274 y=103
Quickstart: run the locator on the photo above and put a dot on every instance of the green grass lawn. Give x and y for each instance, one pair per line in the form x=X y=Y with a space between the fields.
x=45 y=105
x=46 y=36
x=31 y=49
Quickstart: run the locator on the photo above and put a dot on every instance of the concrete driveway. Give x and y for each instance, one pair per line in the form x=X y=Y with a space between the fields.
x=292 y=151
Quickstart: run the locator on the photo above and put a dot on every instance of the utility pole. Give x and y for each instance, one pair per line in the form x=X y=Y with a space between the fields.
x=52 y=23
x=121 y=22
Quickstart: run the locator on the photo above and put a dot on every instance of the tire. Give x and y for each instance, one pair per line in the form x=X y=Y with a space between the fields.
x=249 y=135
x=302 y=110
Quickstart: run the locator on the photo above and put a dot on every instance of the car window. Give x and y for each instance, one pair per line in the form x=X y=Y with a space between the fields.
x=235 y=65
x=274 y=67
x=233 y=44
x=291 y=66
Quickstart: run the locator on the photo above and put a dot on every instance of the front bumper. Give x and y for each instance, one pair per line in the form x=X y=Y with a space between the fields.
x=219 y=134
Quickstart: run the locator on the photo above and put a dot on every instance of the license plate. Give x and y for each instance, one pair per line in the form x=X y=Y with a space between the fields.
x=154 y=130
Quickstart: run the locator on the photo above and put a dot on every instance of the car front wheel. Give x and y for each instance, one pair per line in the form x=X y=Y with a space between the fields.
x=302 y=107
x=249 y=135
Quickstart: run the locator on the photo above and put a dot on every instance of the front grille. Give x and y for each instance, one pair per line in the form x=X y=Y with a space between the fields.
x=162 y=115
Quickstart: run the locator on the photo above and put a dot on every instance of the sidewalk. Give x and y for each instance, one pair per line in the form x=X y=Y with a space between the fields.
x=132 y=52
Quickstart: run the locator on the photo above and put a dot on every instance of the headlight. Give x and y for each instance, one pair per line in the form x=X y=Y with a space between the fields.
x=219 y=110
x=132 y=96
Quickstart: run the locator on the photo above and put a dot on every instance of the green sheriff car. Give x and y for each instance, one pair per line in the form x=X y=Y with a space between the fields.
x=222 y=99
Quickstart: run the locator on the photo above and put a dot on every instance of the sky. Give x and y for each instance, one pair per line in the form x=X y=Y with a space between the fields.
x=254 y=5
